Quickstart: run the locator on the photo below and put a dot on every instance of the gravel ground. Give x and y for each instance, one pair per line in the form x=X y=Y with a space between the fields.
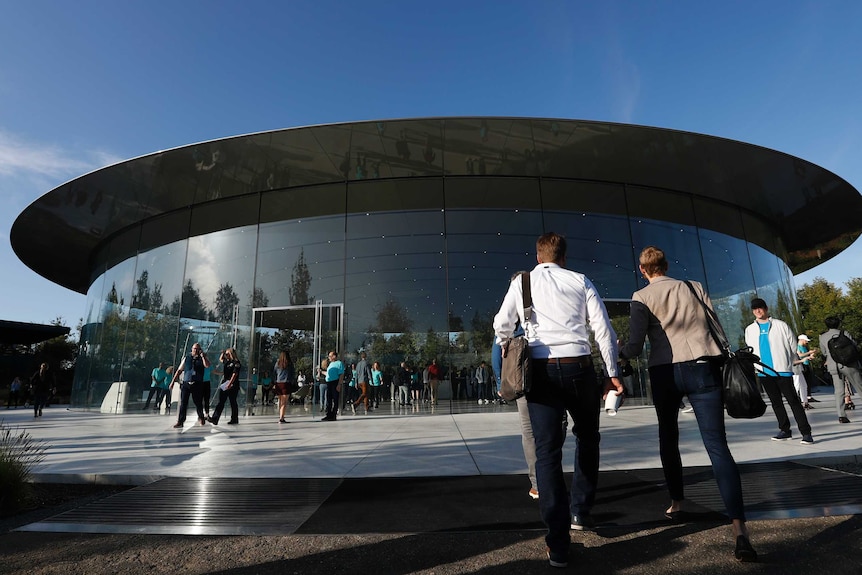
x=798 y=546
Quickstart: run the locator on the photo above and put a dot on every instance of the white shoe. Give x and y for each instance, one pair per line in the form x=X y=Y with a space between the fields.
x=486 y=402
x=480 y=402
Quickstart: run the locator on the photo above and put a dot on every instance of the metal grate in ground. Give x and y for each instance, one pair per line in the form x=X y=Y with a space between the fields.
x=199 y=506
x=778 y=490
x=238 y=506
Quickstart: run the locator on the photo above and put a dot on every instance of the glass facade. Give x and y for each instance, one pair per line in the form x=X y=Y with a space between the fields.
x=409 y=268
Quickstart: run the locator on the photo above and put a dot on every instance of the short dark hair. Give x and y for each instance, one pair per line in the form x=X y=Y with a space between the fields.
x=832 y=322
x=758 y=303
x=551 y=247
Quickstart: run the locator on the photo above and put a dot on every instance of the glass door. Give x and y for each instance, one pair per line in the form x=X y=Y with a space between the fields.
x=307 y=332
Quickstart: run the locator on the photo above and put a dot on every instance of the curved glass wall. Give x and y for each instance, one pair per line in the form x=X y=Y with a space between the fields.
x=418 y=265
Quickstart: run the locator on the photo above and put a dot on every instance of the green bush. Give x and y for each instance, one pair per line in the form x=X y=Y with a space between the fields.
x=19 y=452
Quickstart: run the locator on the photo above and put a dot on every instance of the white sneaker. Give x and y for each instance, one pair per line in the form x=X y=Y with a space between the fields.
x=486 y=402
x=480 y=402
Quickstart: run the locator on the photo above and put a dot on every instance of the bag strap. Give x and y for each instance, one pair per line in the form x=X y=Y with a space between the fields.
x=527 y=295
x=712 y=322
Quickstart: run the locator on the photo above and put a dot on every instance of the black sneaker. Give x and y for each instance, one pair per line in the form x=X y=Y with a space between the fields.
x=557 y=559
x=807 y=440
x=583 y=522
x=782 y=435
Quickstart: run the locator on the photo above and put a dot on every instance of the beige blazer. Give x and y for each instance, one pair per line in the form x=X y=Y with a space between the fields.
x=672 y=318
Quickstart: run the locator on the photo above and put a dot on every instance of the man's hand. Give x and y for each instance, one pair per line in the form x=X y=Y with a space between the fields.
x=616 y=384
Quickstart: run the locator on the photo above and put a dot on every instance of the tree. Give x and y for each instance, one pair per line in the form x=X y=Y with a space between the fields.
x=817 y=301
x=141 y=297
x=300 y=282
x=482 y=336
x=852 y=312
x=259 y=298
x=225 y=303
x=189 y=305
x=392 y=318
x=59 y=352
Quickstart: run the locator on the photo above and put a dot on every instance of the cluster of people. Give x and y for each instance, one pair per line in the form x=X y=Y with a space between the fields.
x=39 y=389
x=367 y=384
x=194 y=375
x=684 y=360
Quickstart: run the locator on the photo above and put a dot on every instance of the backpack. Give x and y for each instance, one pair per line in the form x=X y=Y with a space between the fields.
x=842 y=349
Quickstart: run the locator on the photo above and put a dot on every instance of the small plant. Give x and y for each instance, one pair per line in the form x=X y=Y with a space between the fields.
x=19 y=452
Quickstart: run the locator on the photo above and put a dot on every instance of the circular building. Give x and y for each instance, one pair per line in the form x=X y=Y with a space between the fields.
x=398 y=238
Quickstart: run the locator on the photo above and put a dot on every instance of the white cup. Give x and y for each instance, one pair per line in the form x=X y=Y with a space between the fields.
x=612 y=402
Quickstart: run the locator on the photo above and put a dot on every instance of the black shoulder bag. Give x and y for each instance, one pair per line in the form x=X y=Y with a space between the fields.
x=741 y=393
x=516 y=376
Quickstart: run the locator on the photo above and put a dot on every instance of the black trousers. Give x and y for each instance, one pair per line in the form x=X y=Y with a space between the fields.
x=223 y=396
x=195 y=390
x=331 y=398
x=783 y=385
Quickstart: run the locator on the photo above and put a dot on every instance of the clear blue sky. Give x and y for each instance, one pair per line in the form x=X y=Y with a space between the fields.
x=87 y=83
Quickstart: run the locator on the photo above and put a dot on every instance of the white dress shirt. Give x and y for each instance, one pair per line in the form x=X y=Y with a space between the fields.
x=563 y=303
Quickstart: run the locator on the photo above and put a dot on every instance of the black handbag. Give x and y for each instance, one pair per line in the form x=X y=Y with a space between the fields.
x=516 y=376
x=740 y=390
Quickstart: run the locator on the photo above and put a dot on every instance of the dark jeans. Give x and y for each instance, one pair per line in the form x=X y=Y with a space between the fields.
x=163 y=395
x=701 y=383
x=159 y=393
x=783 y=385
x=331 y=398
x=196 y=392
x=39 y=399
x=206 y=395
x=559 y=388
x=153 y=391
x=223 y=396
x=377 y=394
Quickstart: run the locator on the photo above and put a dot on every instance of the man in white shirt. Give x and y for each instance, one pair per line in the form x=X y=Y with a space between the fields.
x=564 y=380
x=774 y=343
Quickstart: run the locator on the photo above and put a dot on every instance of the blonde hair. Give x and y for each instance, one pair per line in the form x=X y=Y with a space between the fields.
x=653 y=261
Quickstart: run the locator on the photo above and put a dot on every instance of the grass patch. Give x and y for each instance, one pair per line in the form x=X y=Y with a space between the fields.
x=19 y=453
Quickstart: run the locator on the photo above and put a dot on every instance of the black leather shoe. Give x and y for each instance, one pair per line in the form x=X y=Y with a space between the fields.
x=744 y=551
x=843 y=420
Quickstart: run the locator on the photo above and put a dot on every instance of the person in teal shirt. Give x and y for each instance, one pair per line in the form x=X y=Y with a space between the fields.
x=158 y=386
x=334 y=379
x=376 y=383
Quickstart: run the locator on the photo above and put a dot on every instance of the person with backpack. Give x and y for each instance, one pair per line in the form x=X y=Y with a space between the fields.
x=842 y=361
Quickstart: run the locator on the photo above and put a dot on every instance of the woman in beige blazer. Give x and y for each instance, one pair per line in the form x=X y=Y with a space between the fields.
x=685 y=360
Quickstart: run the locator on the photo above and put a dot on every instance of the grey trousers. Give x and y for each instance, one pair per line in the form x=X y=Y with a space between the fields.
x=527 y=440
x=854 y=377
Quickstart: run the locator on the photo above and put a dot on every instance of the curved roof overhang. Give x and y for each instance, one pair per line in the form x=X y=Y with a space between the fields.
x=815 y=213
x=20 y=333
